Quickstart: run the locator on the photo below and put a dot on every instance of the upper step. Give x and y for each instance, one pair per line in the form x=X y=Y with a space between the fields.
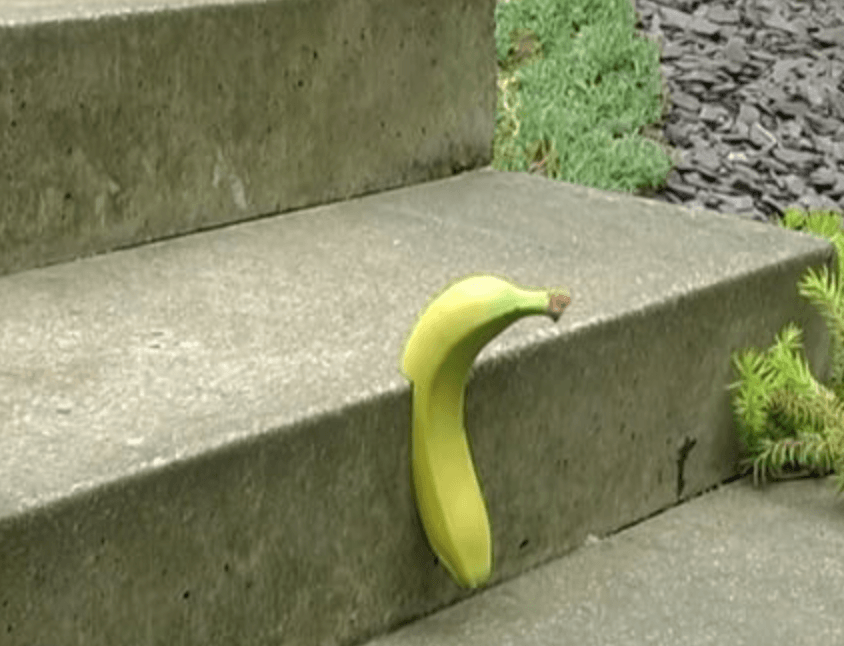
x=127 y=121
x=205 y=440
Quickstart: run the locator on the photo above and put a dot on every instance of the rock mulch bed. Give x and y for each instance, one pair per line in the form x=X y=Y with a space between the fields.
x=757 y=102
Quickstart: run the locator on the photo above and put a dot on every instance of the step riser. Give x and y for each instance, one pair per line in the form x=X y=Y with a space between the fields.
x=307 y=535
x=173 y=119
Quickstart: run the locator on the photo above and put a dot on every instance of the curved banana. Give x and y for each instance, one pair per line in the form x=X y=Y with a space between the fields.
x=437 y=359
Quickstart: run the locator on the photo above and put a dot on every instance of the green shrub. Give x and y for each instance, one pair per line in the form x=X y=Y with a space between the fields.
x=790 y=424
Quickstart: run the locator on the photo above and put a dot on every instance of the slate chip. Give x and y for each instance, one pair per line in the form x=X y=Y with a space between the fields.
x=756 y=90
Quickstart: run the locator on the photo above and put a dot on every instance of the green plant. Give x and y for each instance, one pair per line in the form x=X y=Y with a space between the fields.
x=790 y=424
x=580 y=95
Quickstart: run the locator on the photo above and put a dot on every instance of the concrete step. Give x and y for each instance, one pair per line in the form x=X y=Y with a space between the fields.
x=127 y=121
x=205 y=440
x=737 y=566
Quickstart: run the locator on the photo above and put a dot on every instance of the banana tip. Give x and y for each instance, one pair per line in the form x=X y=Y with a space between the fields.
x=557 y=304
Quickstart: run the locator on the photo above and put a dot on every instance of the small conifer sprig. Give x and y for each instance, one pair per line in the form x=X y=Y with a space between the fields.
x=790 y=424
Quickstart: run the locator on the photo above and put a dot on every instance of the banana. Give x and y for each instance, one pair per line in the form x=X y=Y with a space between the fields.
x=437 y=358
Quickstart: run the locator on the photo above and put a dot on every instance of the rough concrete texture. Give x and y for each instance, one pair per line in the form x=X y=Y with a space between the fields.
x=737 y=566
x=124 y=124
x=205 y=440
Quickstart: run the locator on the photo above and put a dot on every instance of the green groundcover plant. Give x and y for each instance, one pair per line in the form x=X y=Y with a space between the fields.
x=792 y=425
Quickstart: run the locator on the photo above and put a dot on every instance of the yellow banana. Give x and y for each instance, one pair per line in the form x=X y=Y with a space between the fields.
x=437 y=359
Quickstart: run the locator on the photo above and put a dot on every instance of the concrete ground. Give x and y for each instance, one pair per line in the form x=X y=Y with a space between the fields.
x=736 y=566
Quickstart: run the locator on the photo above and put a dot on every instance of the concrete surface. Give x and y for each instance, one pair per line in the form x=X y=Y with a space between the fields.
x=738 y=566
x=126 y=122
x=205 y=440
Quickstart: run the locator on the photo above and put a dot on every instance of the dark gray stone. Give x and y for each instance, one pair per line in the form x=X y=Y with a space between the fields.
x=756 y=91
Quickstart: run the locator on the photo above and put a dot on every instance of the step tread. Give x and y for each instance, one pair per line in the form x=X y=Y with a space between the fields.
x=32 y=11
x=228 y=407
x=133 y=359
x=738 y=566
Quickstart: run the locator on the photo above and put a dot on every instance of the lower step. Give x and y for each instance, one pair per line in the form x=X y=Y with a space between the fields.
x=736 y=566
x=205 y=440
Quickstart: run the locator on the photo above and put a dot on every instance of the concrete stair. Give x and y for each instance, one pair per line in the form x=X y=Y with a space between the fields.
x=735 y=566
x=128 y=121
x=204 y=439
